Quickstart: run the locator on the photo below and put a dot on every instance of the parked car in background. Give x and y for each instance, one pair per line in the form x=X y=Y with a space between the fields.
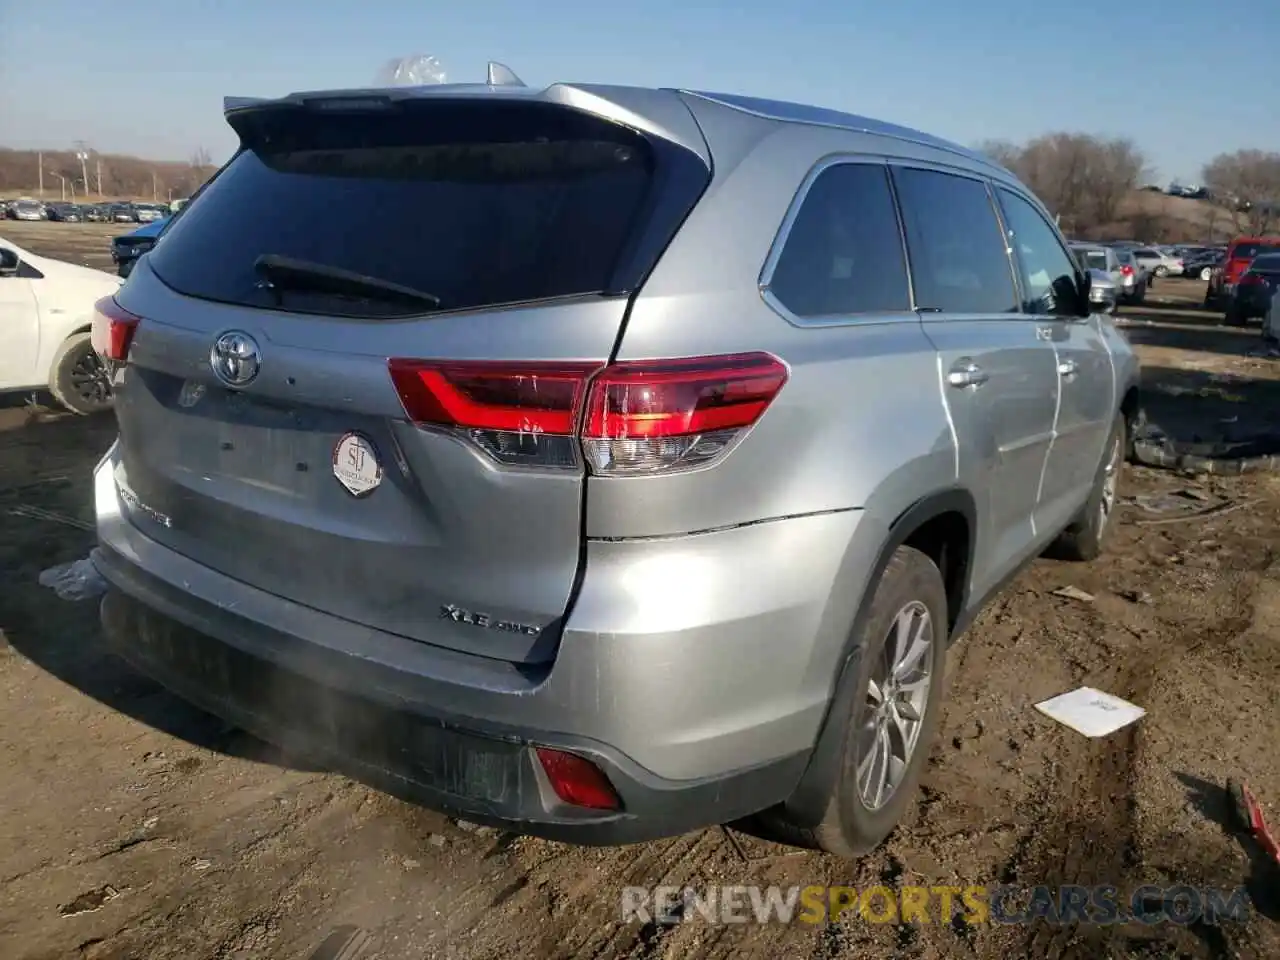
x=1095 y=256
x=1104 y=294
x=122 y=213
x=27 y=210
x=609 y=391
x=95 y=213
x=1240 y=253
x=1157 y=262
x=126 y=250
x=1251 y=295
x=147 y=213
x=46 y=313
x=1133 y=276
x=1200 y=264
x=64 y=212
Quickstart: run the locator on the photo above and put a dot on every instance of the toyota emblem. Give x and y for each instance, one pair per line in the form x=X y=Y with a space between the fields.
x=235 y=358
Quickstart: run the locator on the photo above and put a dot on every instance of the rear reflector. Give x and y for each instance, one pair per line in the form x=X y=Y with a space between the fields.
x=578 y=781
x=112 y=330
x=647 y=416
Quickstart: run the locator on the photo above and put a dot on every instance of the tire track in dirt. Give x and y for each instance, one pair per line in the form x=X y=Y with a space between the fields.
x=1090 y=803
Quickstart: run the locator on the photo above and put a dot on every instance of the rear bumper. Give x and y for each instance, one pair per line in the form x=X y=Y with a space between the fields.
x=698 y=710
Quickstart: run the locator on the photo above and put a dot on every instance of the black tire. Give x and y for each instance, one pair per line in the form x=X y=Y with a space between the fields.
x=1206 y=273
x=1087 y=536
x=849 y=827
x=1162 y=271
x=77 y=378
x=1234 y=318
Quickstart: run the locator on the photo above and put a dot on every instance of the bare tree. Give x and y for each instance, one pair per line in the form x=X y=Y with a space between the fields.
x=1002 y=152
x=1247 y=185
x=1083 y=179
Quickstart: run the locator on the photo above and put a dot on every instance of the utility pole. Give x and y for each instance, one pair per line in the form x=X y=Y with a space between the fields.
x=62 y=182
x=155 y=189
x=82 y=154
x=40 y=173
x=99 y=176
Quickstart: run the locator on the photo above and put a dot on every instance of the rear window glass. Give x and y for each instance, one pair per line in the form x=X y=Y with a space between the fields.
x=1247 y=251
x=470 y=205
x=1092 y=259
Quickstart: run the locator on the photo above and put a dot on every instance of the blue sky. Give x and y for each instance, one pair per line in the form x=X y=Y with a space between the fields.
x=1184 y=80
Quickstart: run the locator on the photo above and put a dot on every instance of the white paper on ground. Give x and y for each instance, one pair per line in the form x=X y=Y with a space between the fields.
x=1091 y=712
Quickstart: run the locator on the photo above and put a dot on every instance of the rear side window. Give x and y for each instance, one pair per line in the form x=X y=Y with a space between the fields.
x=843 y=254
x=470 y=204
x=959 y=262
x=1049 y=285
x=1266 y=263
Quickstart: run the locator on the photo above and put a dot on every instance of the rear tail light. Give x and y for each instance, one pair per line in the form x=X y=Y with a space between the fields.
x=638 y=417
x=112 y=330
x=657 y=415
x=578 y=781
x=1127 y=270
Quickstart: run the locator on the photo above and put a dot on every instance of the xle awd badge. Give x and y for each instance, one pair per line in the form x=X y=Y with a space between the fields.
x=356 y=465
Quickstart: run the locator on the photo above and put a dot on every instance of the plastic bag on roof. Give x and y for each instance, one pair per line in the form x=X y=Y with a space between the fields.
x=415 y=71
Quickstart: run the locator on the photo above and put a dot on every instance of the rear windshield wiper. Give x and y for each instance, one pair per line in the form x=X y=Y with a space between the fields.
x=286 y=273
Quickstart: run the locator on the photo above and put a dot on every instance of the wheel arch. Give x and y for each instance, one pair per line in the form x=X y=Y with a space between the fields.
x=942 y=525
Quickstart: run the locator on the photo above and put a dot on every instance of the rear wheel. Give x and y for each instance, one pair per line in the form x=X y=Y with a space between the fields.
x=77 y=378
x=898 y=681
x=1162 y=271
x=1086 y=537
x=1206 y=273
x=1234 y=318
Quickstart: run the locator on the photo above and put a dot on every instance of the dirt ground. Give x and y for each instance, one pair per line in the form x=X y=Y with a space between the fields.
x=133 y=826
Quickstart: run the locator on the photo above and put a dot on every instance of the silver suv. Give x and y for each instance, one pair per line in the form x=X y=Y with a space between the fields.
x=617 y=463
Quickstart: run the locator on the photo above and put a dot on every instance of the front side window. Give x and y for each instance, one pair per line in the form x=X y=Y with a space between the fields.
x=1049 y=283
x=959 y=263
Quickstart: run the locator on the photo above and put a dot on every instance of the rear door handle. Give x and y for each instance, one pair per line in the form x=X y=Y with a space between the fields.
x=966 y=373
x=1067 y=368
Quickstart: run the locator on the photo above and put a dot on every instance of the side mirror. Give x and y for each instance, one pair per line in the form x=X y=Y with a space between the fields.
x=9 y=262
x=1084 y=288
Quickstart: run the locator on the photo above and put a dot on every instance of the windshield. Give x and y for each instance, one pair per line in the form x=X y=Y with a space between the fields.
x=479 y=207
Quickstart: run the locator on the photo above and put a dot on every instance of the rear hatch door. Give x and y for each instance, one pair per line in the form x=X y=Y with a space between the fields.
x=261 y=431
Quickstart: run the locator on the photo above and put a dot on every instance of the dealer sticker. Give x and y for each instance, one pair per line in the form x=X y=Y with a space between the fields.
x=356 y=465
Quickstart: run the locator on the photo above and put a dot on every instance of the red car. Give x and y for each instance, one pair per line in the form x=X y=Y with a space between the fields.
x=1240 y=254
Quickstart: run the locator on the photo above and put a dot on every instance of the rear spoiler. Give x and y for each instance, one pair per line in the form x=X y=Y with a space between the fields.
x=657 y=113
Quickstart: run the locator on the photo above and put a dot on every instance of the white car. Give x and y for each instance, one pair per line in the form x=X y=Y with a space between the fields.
x=1158 y=262
x=46 y=309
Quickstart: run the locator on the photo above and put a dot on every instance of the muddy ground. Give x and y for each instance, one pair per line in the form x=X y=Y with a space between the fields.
x=133 y=826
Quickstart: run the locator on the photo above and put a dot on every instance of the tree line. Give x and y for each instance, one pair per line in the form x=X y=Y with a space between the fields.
x=110 y=175
x=1089 y=183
